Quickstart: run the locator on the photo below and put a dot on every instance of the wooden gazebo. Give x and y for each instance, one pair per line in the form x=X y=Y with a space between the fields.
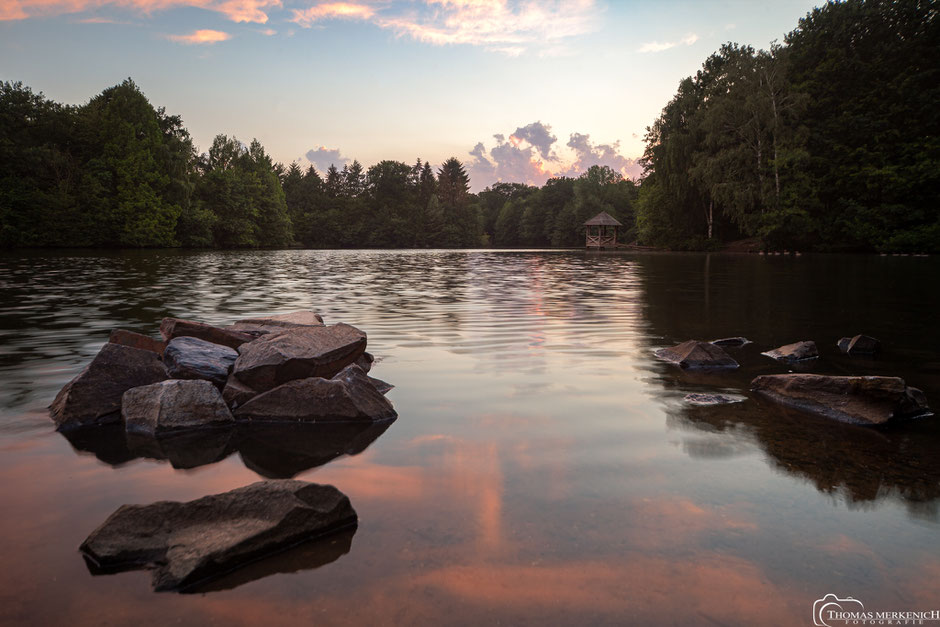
x=601 y=231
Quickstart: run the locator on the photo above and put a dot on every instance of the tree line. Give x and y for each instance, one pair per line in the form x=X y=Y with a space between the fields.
x=828 y=141
x=117 y=172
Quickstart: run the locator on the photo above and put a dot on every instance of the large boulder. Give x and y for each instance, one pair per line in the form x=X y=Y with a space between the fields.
x=798 y=351
x=94 y=396
x=174 y=327
x=298 y=353
x=188 y=543
x=859 y=345
x=856 y=400
x=136 y=340
x=192 y=358
x=173 y=405
x=695 y=354
x=349 y=396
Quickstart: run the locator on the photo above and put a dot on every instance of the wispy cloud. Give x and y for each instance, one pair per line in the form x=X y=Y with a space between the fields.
x=235 y=10
x=332 y=10
x=204 y=36
x=656 y=46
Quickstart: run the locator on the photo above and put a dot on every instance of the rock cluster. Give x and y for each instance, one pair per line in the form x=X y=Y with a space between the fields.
x=862 y=400
x=197 y=396
x=290 y=367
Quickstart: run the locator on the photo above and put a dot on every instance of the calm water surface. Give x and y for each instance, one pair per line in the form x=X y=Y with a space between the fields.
x=544 y=469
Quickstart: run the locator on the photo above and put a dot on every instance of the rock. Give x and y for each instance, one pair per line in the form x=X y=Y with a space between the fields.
x=94 y=396
x=136 y=340
x=712 y=399
x=174 y=327
x=189 y=543
x=365 y=361
x=731 y=341
x=174 y=404
x=857 y=400
x=859 y=345
x=298 y=353
x=696 y=354
x=192 y=358
x=349 y=396
x=236 y=393
x=274 y=324
x=381 y=386
x=798 y=351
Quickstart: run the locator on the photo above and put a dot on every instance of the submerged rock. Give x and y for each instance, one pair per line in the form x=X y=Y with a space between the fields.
x=189 y=543
x=856 y=400
x=276 y=324
x=94 y=396
x=173 y=405
x=798 y=351
x=695 y=354
x=298 y=353
x=136 y=340
x=731 y=341
x=349 y=396
x=712 y=399
x=174 y=327
x=859 y=345
x=192 y=358
x=183 y=449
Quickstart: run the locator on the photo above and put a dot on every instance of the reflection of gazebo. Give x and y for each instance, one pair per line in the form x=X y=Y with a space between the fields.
x=601 y=231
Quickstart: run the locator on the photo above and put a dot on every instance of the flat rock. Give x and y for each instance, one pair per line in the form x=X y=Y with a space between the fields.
x=859 y=345
x=94 y=396
x=798 y=351
x=856 y=400
x=189 y=543
x=273 y=324
x=172 y=405
x=174 y=327
x=694 y=354
x=192 y=358
x=731 y=341
x=136 y=340
x=298 y=353
x=350 y=396
x=712 y=399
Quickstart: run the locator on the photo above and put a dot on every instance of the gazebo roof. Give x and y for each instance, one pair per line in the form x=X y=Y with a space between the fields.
x=603 y=219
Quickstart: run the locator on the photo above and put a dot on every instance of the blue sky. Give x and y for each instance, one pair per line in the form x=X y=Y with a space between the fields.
x=383 y=79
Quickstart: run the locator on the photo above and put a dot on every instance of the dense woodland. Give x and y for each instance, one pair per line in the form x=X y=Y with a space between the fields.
x=828 y=141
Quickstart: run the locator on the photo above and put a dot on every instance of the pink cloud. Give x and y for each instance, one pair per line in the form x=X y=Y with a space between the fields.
x=235 y=10
x=332 y=10
x=204 y=36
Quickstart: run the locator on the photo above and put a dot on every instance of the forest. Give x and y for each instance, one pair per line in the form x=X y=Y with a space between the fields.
x=828 y=141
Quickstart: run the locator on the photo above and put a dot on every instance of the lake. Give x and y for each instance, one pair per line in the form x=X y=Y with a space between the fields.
x=545 y=467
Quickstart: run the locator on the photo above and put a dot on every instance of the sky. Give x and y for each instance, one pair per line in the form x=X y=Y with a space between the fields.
x=517 y=90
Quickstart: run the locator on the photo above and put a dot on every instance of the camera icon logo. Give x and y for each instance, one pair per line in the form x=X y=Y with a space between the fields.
x=823 y=608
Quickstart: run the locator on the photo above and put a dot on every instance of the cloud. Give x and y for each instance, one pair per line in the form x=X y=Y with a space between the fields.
x=588 y=154
x=322 y=158
x=235 y=10
x=204 y=36
x=529 y=156
x=655 y=46
x=504 y=26
x=268 y=32
x=332 y=10
x=539 y=136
